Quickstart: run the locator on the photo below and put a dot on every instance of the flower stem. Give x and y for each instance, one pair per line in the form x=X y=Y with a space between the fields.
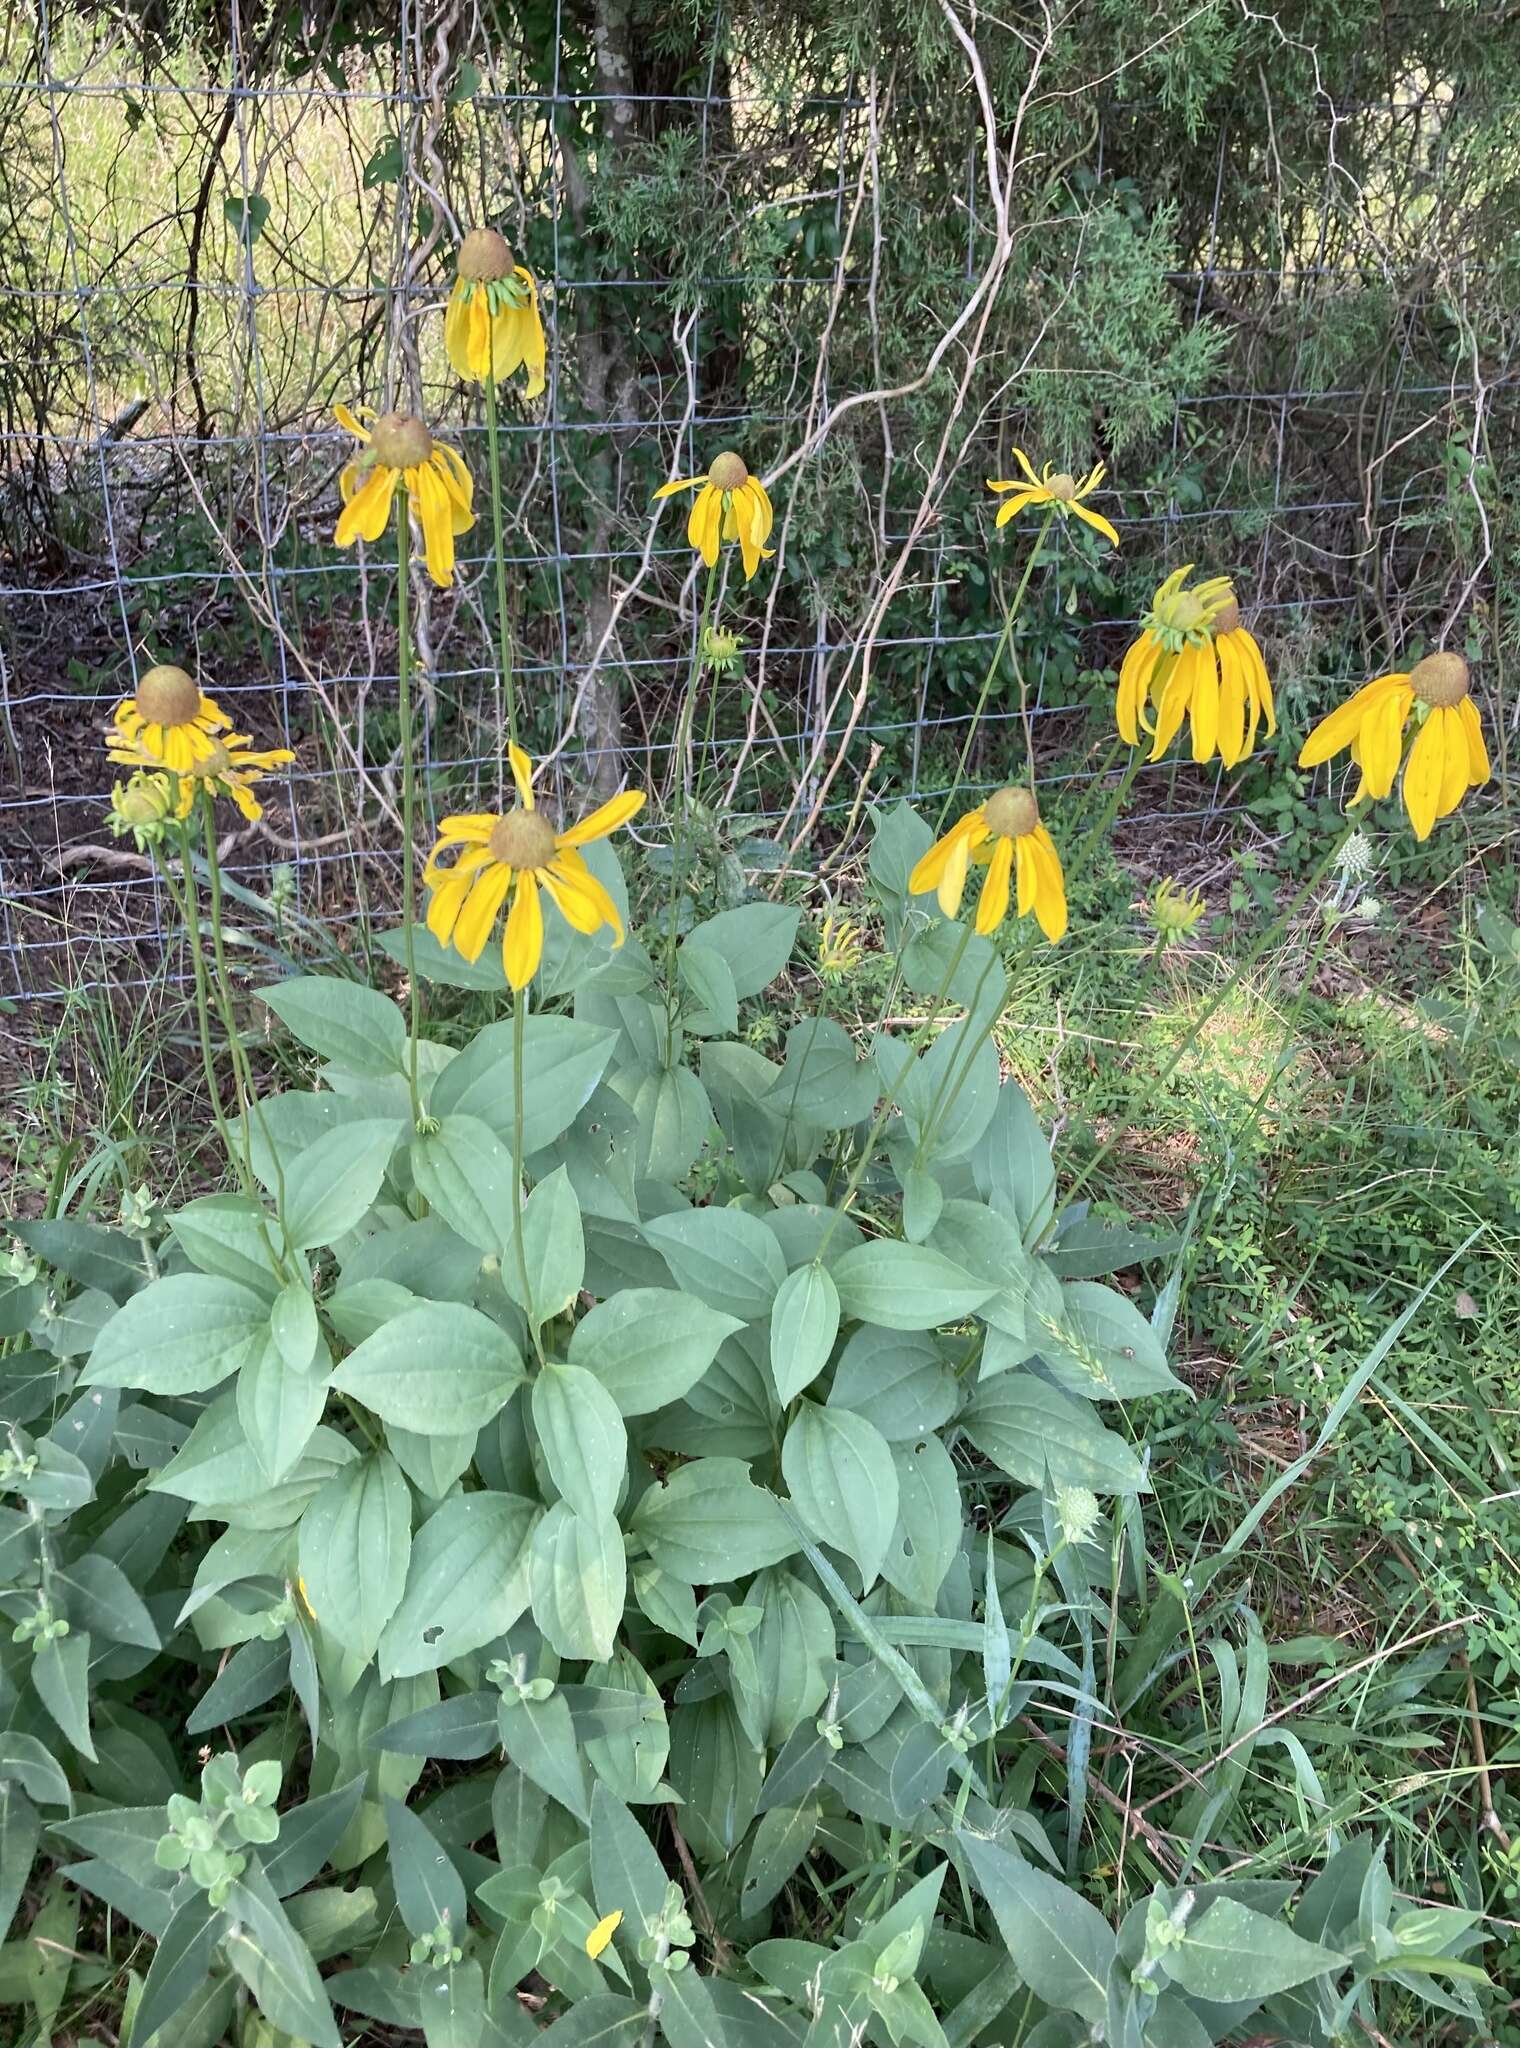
x=1010 y=613
x=408 y=783
x=681 y=795
x=503 y=620
x=519 y=1028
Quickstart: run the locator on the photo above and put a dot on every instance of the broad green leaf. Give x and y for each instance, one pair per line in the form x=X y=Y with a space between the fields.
x=579 y=1579
x=309 y=1834
x=30 y=1764
x=540 y=1738
x=649 y=1345
x=782 y=1838
x=824 y=1084
x=20 y=1832
x=110 y=1261
x=673 y=1116
x=460 y=1728
x=279 y=1406
x=230 y=1236
x=1028 y=1427
x=563 y=1060
x=791 y=1655
x=1087 y=1248
x=334 y=1182
x=1101 y=1346
x=355 y=1545
x=1012 y=1165
x=429 y=1890
x=688 y=2016
x=342 y=1021
x=183 y=1335
x=717 y=1770
x=804 y=1324
x=988 y=1247
x=905 y=1286
x=439 y=1369
x=706 y=977
x=949 y=1094
x=898 y=1379
x=466 y=1582
x=630 y=1761
x=294 y=1326
x=708 y=1523
x=723 y=1256
x=840 y=1474
x=1228 y=1952
x=275 y=1964
x=554 y=1247
x=465 y=1173
x=626 y=1874
x=1062 y=1945
x=755 y=941
x=181 y=1964
x=432 y=1463
x=60 y=1673
x=927 y=1534
x=246 y=213
x=98 y=1595
x=584 y=1442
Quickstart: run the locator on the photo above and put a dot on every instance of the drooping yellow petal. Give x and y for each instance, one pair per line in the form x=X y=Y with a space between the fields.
x=1233 y=742
x=1380 y=740
x=570 y=867
x=605 y=818
x=1096 y=521
x=952 y=881
x=523 y=942
x=478 y=913
x=1174 y=702
x=1339 y=728
x=993 y=905
x=532 y=339
x=1011 y=507
x=1024 y=464
x=704 y=523
x=1477 y=752
x=1025 y=872
x=434 y=515
x=1256 y=671
x=465 y=828
x=1204 y=701
x=365 y=514
x=1050 y=886
x=1134 y=686
x=456 y=328
x=522 y=774
x=573 y=905
x=679 y=483
x=1424 y=772
x=450 y=887
x=345 y=418
x=1454 y=782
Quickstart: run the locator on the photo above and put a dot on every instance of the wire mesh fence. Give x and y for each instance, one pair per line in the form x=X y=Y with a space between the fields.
x=874 y=262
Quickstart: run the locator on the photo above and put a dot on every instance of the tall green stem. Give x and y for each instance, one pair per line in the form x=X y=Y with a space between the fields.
x=503 y=620
x=408 y=783
x=519 y=1124
x=1010 y=614
x=678 y=824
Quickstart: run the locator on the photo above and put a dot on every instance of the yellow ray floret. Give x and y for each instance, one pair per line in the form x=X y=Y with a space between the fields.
x=1194 y=660
x=398 y=449
x=730 y=505
x=493 y=326
x=507 y=859
x=1061 y=490
x=1005 y=836
x=1447 y=757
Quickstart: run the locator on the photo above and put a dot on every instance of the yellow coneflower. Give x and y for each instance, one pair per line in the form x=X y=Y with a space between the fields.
x=142 y=806
x=1195 y=660
x=513 y=855
x=1061 y=490
x=731 y=505
x=1174 y=910
x=602 y=1933
x=168 y=720
x=399 y=449
x=231 y=768
x=493 y=325
x=841 y=948
x=1447 y=757
x=1006 y=837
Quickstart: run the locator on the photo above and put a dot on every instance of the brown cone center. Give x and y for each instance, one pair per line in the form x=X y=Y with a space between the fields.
x=1227 y=618
x=400 y=440
x=522 y=839
x=1011 y=813
x=484 y=257
x=215 y=762
x=1063 y=487
x=728 y=471
x=1440 y=679
x=167 y=696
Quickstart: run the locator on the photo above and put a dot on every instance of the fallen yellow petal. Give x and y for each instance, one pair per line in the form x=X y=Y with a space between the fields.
x=602 y=1933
